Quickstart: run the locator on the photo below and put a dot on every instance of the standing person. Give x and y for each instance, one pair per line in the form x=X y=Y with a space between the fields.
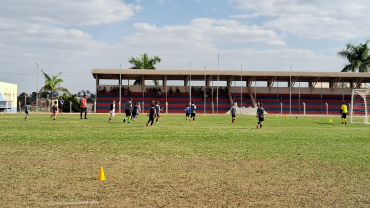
x=193 y=111
x=138 y=109
x=188 y=112
x=112 y=110
x=134 y=111
x=344 y=111
x=61 y=103
x=151 y=114
x=157 y=111
x=260 y=115
x=55 y=110
x=233 y=111
x=27 y=109
x=83 y=106
x=128 y=108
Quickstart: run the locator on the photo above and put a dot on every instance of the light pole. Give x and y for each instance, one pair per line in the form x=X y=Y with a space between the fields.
x=120 y=88
x=218 y=76
x=290 y=91
x=190 y=85
x=241 y=85
x=204 y=95
x=37 y=85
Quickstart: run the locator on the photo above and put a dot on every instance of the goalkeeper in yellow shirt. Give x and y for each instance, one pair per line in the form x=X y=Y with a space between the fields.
x=344 y=111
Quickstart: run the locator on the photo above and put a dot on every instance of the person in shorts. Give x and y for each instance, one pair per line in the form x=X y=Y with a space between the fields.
x=27 y=110
x=138 y=109
x=157 y=111
x=151 y=115
x=60 y=104
x=187 y=112
x=55 y=110
x=128 y=108
x=260 y=115
x=233 y=112
x=112 y=110
x=193 y=110
x=344 y=111
x=134 y=112
x=83 y=106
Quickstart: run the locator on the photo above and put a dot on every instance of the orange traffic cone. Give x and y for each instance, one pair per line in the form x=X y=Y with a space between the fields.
x=286 y=116
x=313 y=118
x=101 y=174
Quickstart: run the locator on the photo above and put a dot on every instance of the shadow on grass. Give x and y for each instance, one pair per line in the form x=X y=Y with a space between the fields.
x=326 y=123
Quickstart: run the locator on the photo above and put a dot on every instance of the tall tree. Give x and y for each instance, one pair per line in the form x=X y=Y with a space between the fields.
x=52 y=83
x=357 y=56
x=144 y=62
x=70 y=99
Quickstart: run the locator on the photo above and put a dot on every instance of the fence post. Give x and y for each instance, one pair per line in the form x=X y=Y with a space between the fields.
x=70 y=107
x=304 y=108
x=327 y=109
x=281 y=104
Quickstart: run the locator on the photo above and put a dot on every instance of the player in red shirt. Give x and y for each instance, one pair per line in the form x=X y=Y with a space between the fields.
x=83 y=106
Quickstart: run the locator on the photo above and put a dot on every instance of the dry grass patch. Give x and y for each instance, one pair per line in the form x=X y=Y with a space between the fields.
x=157 y=181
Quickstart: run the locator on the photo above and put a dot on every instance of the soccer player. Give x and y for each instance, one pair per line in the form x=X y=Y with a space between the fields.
x=151 y=114
x=157 y=111
x=188 y=112
x=83 y=106
x=128 y=108
x=193 y=110
x=233 y=111
x=55 y=110
x=27 y=110
x=138 y=109
x=260 y=115
x=344 y=112
x=61 y=103
x=134 y=112
x=112 y=110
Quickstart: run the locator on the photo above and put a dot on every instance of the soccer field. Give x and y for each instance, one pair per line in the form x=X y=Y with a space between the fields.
x=211 y=163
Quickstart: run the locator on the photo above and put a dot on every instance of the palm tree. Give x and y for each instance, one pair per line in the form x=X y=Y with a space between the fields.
x=52 y=84
x=144 y=62
x=357 y=56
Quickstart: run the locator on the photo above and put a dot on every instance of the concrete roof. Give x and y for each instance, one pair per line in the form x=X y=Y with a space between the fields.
x=171 y=74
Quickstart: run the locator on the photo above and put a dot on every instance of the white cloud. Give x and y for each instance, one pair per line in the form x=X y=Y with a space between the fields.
x=276 y=42
x=245 y=16
x=66 y=12
x=331 y=19
x=179 y=45
x=208 y=30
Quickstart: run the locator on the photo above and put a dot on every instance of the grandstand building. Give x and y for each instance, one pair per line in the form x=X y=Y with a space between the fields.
x=281 y=92
x=8 y=97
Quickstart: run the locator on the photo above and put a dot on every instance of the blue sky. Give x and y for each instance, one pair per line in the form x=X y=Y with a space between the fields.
x=74 y=37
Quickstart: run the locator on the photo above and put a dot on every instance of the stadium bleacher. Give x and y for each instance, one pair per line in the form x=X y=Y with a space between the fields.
x=314 y=103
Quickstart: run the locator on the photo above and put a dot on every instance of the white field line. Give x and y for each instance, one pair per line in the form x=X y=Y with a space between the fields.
x=70 y=203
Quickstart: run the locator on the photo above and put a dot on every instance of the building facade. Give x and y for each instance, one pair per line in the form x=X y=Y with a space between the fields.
x=8 y=97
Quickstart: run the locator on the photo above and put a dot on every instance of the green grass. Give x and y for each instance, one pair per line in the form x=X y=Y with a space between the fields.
x=211 y=163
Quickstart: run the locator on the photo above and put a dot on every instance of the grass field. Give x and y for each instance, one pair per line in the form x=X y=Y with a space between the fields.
x=211 y=163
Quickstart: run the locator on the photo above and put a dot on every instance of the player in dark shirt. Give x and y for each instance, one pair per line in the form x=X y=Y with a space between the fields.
x=260 y=115
x=134 y=111
x=151 y=115
x=193 y=109
x=112 y=109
